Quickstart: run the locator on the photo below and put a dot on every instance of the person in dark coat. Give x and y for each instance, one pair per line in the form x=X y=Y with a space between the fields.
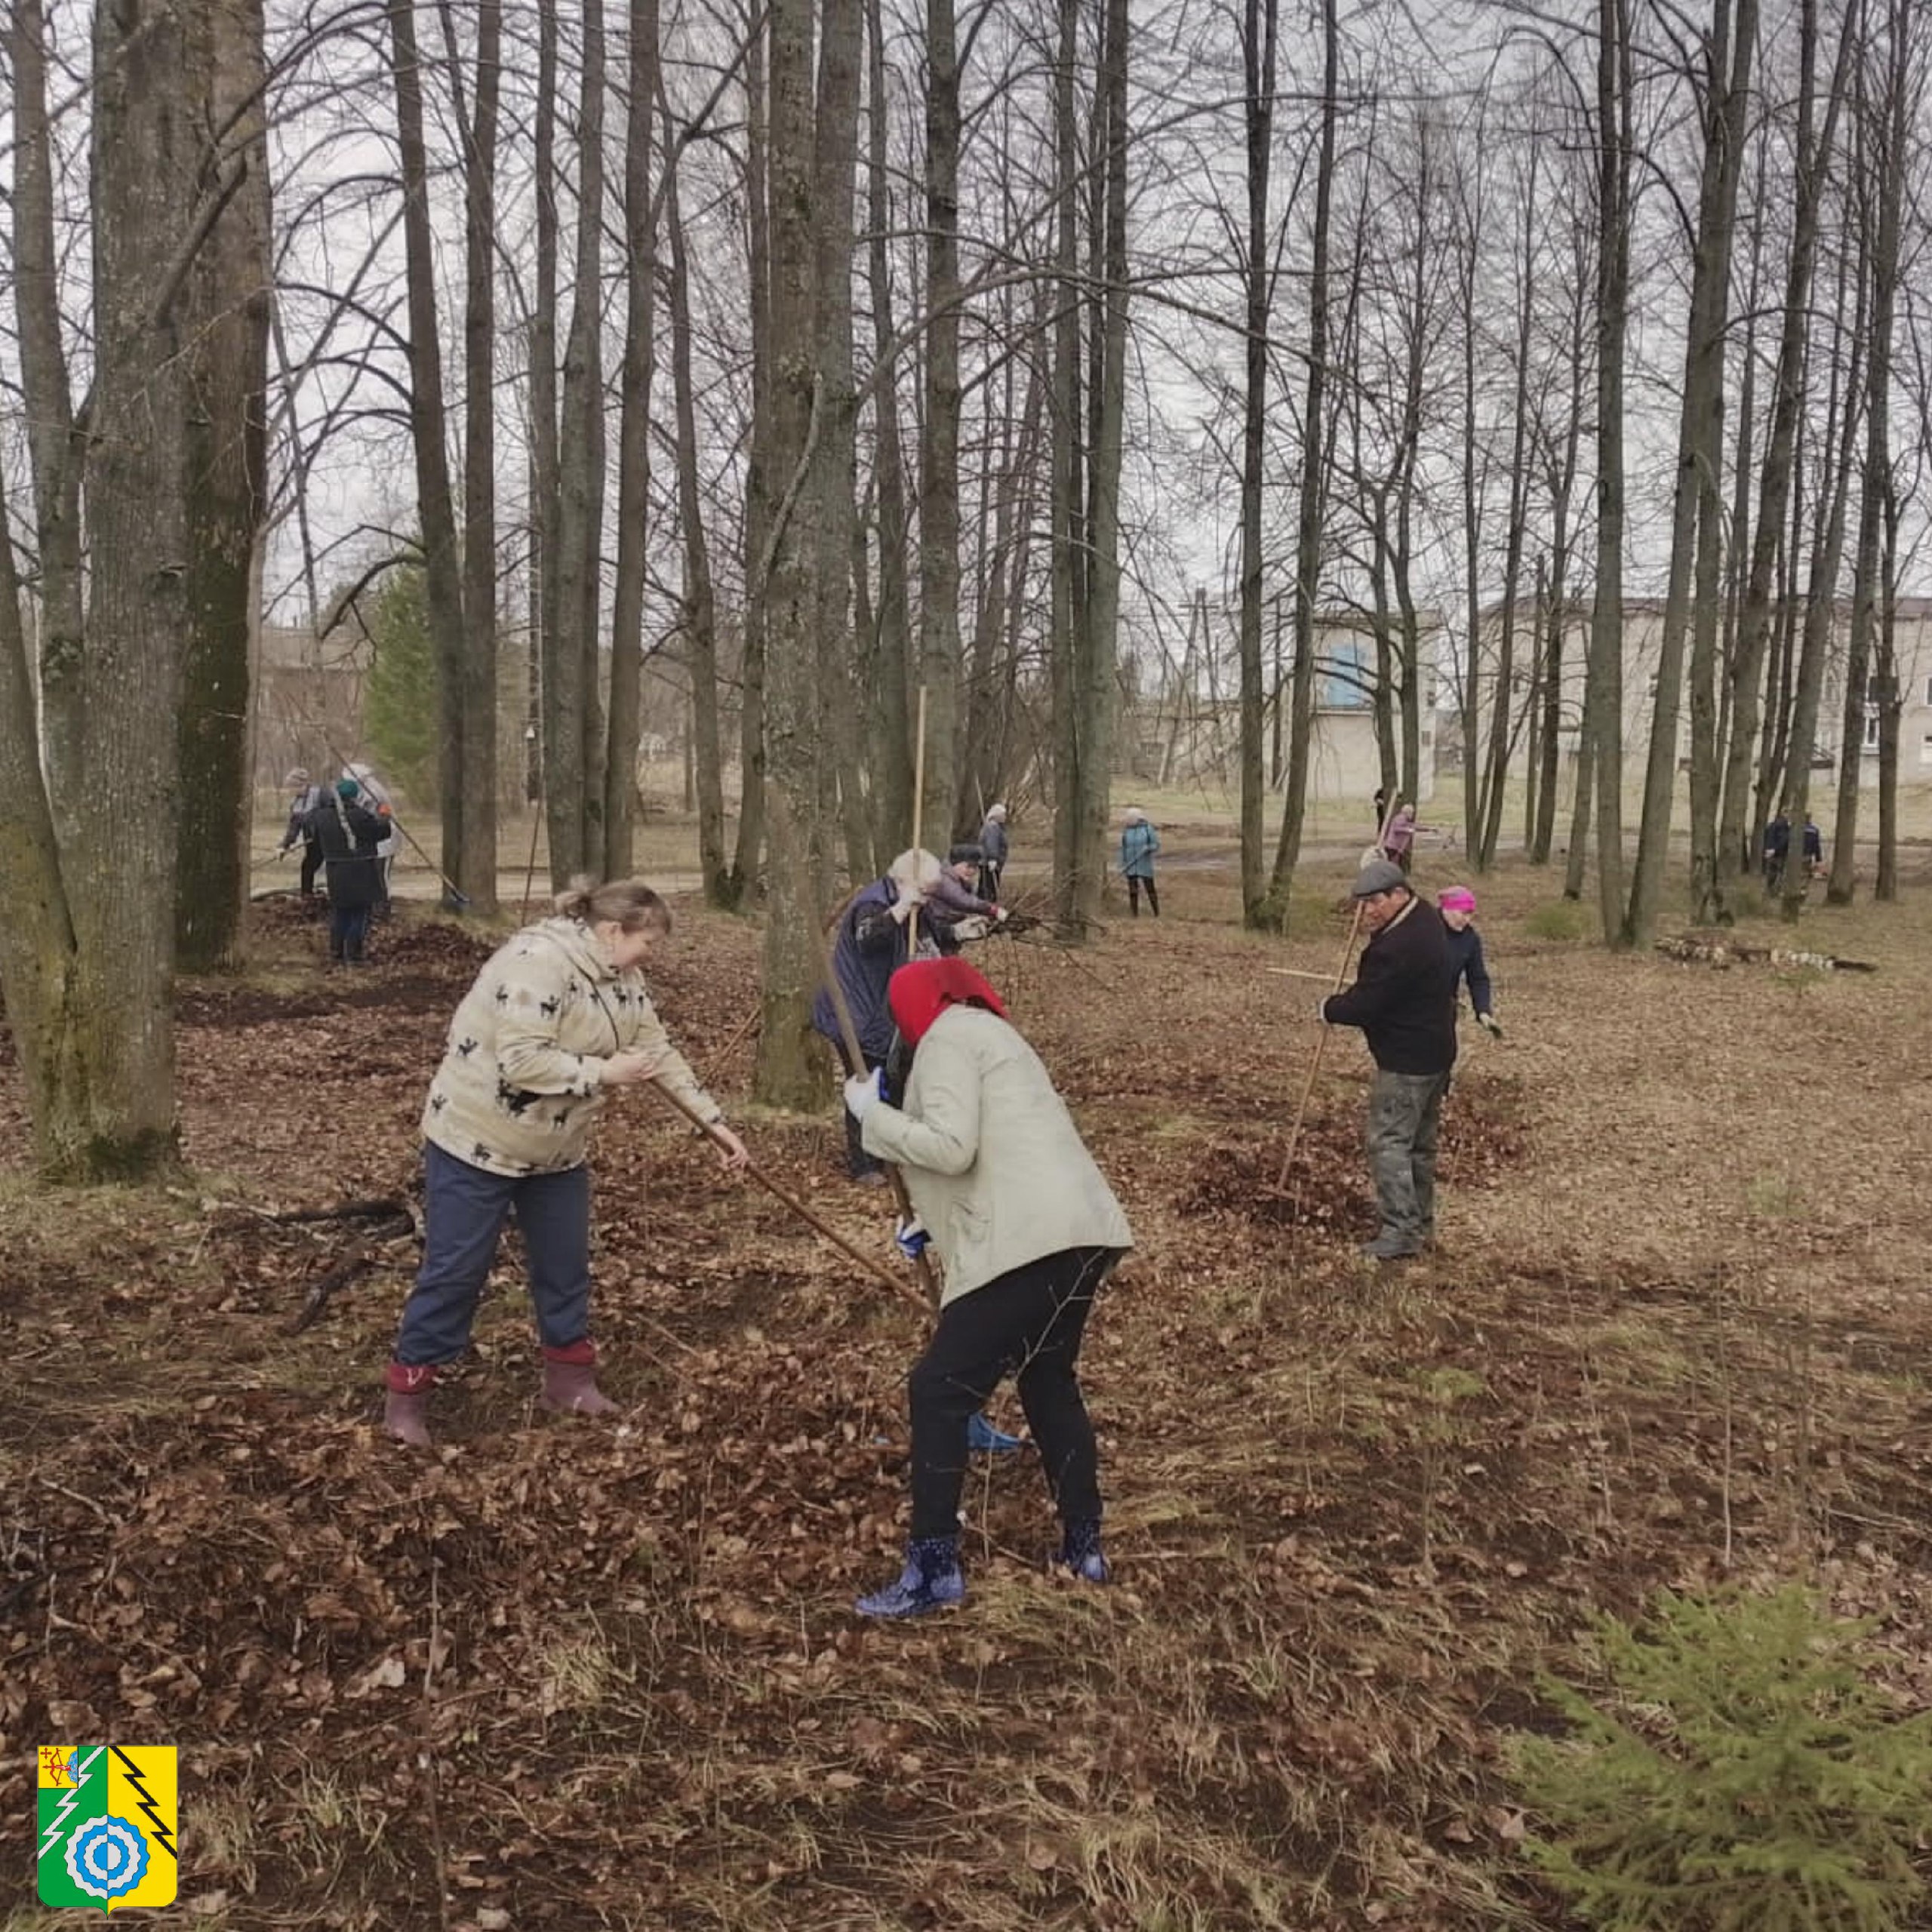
x=1403 y=1001
x=307 y=797
x=994 y=844
x=1777 y=850
x=347 y=835
x=1457 y=904
x=875 y=936
x=1814 y=848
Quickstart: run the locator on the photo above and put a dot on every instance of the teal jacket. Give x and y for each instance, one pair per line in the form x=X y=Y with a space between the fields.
x=1138 y=844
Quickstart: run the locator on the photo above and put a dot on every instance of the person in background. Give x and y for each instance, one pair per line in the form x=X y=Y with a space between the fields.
x=373 y=795
x=1381 y=809
x=1139 y=842
x=1457 y=904
x=1402 y=1001
x=1012 y=1202
x=1814 y=848
x=1398 y=840
x=993 y=842
x=347 y=833
x=953 y=900
x=1776 y=851
x=559 y=1017
x=870 y=943
x=307 y=796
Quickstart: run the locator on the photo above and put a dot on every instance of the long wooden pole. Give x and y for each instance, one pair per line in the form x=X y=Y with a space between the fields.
x=1322 y=1041
x=918 y=820
x=855 y=1055
x=895 y=1283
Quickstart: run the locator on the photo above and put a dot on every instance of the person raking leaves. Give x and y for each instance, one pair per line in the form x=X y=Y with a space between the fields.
x=1012 y=1202
x=1404 y=1001
x=558 y=1017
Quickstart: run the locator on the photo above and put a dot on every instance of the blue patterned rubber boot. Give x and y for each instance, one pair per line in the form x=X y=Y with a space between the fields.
x=981 y=1435
x=1080 y=1552
x=929 y=1581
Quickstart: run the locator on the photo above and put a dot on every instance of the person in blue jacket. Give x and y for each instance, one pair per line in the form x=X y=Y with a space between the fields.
x=1139 y=842
x=1457 y=904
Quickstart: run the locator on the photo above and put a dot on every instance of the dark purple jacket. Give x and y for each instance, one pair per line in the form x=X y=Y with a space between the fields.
x=869 y=948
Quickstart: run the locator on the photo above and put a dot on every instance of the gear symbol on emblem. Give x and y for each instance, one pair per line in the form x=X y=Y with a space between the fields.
x=107 y=1857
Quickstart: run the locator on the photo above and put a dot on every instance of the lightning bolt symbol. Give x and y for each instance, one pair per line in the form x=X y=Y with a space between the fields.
x=69 y=1799
x=134 y=1774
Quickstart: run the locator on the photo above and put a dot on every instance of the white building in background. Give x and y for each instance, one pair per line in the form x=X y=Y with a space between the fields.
x=1643 y=639
x=1186 y=731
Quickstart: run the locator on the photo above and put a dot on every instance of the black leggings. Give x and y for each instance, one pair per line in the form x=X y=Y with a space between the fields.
x=1029 y=1321
x=1134 y=890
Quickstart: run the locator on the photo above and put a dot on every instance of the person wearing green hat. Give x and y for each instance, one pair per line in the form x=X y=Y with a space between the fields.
x=347 y=833
x=1404 y=1002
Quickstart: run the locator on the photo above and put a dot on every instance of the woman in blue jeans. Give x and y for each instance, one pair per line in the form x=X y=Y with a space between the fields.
x=557 y=1016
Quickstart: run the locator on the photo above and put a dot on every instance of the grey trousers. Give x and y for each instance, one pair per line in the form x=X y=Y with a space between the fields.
x=1404 y=1111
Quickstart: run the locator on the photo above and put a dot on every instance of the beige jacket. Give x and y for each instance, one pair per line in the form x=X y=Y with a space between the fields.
x=994 y=1165
x=522 y=1077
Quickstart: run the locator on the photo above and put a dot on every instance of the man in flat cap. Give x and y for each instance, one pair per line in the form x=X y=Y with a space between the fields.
x=1403 y=1002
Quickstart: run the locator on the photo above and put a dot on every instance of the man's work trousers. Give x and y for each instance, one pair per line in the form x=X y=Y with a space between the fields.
x=1027 y=1322
x=1404 y=1111
x=464 y=1208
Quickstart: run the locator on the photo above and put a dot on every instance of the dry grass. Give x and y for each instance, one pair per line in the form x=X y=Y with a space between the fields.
x=1675 y=1331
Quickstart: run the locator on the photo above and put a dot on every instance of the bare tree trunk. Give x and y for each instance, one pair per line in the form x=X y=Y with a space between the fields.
x=55 y=442
x=1094 y=697
x=1774 y=488
x=574 y=736
x=544 y=488
x=1260 y=24
x=124 y=851
x=1501 y=738
x=1887 y=162
x=1891 y=707
x=700 y=615
x=785 y=1075
x=938 y=447
x=1820 y=605
x=750 y=847
x=428 y=427
x=227 y=299
x=892 y=747
x=627 y=648
x=1067 y=615
x=1308 y=535
x=1700 y=434
x=830 y=478
x=470 y=859
x=1614 y=91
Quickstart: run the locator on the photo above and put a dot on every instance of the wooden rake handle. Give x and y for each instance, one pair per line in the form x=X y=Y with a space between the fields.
x=872 y=1267
x=855 y=1055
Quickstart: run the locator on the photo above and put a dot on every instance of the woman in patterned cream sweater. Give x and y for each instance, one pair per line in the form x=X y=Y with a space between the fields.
x=557 y=1016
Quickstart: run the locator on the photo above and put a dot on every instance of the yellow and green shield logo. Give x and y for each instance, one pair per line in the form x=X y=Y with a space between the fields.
x=107 y=1825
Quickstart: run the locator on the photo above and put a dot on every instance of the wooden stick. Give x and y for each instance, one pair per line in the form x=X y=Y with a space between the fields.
x=799 y=1207
x=1295 y=973
x=919 y=816
x=529 y=870
x=855 y=1055
x=1321 y=1041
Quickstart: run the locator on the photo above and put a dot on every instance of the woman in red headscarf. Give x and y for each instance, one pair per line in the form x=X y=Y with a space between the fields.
x=1027 y=1229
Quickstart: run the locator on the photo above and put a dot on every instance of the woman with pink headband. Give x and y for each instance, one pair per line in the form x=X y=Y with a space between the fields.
x=1457 y=904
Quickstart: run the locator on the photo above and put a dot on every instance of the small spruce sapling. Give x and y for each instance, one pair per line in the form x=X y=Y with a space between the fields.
x=1740 y=1774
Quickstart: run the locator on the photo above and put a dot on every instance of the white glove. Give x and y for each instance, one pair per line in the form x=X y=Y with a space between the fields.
x=1489 y=1025
x=1322 y=1009
x=864 y=1091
